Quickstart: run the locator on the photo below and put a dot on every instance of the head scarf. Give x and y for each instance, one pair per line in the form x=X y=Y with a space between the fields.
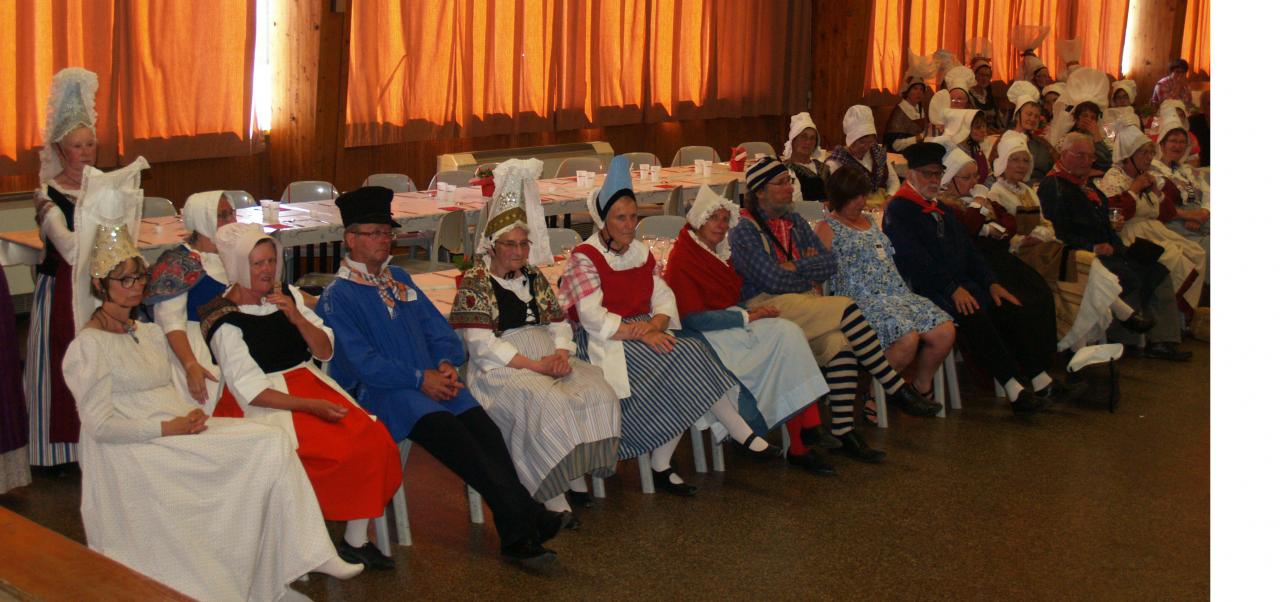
x=1172 y=103
x=107 y=220
x=1058 y=88
x=1169 y=122
x=939 y=105
x=955 y=160
x=235 y=242
x=516 y=203
x=200 y=213
x=617 y=184
x=1129 y=86
x=1088 y=85
x=71 y=105
x=959 y=123
x=1128 y=141
x=858 y=122
x=799 y=123
x=706 y=204
x=1022 y=92
x=961 y=78
x=1011 y=142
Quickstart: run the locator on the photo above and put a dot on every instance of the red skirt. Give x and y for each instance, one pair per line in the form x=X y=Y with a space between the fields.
x=353 y=464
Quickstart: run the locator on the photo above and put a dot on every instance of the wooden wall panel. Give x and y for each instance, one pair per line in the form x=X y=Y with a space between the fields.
x=841 y=36
x=1157 y=40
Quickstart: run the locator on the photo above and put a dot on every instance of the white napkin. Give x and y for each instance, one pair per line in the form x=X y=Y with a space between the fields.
x=1095 y=354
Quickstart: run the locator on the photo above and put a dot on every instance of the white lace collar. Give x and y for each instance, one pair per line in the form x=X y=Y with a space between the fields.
x=913 y=111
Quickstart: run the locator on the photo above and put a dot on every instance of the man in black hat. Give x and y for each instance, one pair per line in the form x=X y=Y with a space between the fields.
x=938 y=260
x=398 y=358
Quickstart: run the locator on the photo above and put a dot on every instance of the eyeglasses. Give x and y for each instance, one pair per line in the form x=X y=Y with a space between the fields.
x=511 y=244
x=131 y=280
x=932 y=174
x=387 y=234
x=1090 y=155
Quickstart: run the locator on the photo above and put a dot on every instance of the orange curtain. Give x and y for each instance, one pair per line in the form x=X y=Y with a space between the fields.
x=174 y=76
x=469 y=68
x=1195 y=37
x=885 y=62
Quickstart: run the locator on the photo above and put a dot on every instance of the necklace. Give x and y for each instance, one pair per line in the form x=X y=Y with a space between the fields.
x=126 y=326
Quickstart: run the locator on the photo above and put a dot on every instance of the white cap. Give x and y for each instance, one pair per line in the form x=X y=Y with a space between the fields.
x=959 y=122
x=1011 y=142
x=799 y=123
x=1128 y=140
x=1088 y=85
x=1169 y=121
x=1129 y=86
x=961 y=77
x=1022 y=92
x=955 y=160
x=938 y=107
x=858 y=122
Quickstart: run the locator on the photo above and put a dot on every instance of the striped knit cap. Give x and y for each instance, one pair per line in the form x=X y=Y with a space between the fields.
x=764 y=170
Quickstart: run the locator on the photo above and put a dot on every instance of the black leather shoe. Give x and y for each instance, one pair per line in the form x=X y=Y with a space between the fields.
x=770 y=452
x=1138 y=323
x=913 y=403
x=1166 y=351
x=529 y=554
x=581 y=499
x=813 y=463
x=550 y=523
x=367 y=554
x=662 y=480
x=573 y=523
x=1029 y=403
x=853 y=446
x=1068 y=392
x=811 y=436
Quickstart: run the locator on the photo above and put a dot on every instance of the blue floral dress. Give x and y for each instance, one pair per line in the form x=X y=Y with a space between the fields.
x=865 y=272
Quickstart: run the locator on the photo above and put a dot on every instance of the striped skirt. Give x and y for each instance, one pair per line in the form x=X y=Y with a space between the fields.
x=37 y=381
x=669 y=391
x=556 y=429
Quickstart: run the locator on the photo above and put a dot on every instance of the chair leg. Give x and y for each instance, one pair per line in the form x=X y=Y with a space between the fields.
x=699 y=454
x=477 y=509
x=882 y=409
x=940 y=391
x=1000 y=394
x=597 y=487
x=717 y=456
x=953 y=380
x=398 y=504
x=646 y=473
x=786 y=440
x=381 y=533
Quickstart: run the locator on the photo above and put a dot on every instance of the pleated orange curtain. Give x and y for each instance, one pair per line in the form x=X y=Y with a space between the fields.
x=885 y=61
x=468 y=68
x=1195 y=37
x=174 y=76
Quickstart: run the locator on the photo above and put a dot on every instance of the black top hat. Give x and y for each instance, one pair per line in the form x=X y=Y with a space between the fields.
x=366 y=205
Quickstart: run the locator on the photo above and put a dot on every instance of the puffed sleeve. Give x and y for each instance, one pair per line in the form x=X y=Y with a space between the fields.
x=314 y=319
x=54 y=228
x=86 y=368
x=239 y=370
x=171 y=314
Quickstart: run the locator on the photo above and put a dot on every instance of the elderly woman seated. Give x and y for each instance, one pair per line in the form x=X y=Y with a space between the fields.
x=907 y=121
x=769 y=356
x=803 y=154
x=625 y=312
x=1183 y=184
x=558 y=413
x=919 y=334
x=861 y=150
x=1026 y=121
x=1136 y=190
x=265 y=339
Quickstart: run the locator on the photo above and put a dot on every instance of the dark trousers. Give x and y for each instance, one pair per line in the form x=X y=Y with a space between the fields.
x=471 y=445
x=1029 y=332
x=1145 y=286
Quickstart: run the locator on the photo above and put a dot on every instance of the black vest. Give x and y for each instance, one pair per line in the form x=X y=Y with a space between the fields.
x=49 y=267
x=512 y=312
x=273 y=342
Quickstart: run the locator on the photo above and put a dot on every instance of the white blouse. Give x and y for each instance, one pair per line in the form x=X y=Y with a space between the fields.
x=489 y=352
x=54 y=227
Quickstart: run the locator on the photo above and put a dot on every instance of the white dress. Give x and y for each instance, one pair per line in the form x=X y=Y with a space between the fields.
x=188 y=511
x=172 y=315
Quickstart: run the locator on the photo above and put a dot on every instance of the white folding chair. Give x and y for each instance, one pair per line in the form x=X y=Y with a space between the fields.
x=661 y=226
x=455 y=177
x=239 y=199
x=572 y=165
x=563 y=238
x=758 y=148
x=642 y=158
x=401 y=510
x=810 y=210
x=939 y=393
x=397 y=182
x=154 y=206
x=688 y=154
x=305 y=191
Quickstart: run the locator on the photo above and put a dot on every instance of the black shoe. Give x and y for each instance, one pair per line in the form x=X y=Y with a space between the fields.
x=1029 y=403
x=811 y=436
x=813 y=463
x=913 y=403
x=1138 y=323
x=1166 y=351
x=1068 y=392
x=580 y=499
x=662 y=480
x=367 y=554
x=825 y=440
x=529 y=554
x=770 y=451
x=853 y=446
x=573 y=523
x=550 y=523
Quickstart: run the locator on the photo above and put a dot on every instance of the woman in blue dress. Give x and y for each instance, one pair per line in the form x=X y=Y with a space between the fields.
x=917 y=334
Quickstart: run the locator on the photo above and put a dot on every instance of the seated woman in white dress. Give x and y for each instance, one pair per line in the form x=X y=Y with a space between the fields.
x=769 y=355
x=625 y=312
x=185 y=278
x=166 y=490
x=558 y=414
x=1183 y=184
x=265 y=340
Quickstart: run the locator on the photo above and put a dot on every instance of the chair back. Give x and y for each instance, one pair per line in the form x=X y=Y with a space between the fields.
x=239 y=199
x=562 y=238
x=571 y=166
x=810 y=210
x=484 y=167
x=397 y=182
x=639 y=158
x=306 y=191
x=661 y=226
x=154 y=206
x=455 y=177
x=756 y=148
x=688 y=154
x=451 y=233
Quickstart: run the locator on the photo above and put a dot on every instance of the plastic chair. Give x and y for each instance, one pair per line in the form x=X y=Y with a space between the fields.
x=455 y=177
x=571 y=166
x=661 y=226
x=239 y=199
x=154 y=206
x=562 y=238
x=397 y=182
x=944 y=385
x=810 y=210
x=688 y=154
x=639 y=158
x=401 y=510
x=305 y=191
x=756 y=148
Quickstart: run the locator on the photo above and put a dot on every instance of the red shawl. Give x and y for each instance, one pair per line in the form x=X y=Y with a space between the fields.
x=700 y=281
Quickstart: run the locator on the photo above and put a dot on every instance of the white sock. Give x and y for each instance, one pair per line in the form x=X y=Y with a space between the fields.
x=357 y=532
x=579 y=485
x=1121 y=310
x=337 y=567
x=1041 y=381
x=660 y=458
x=1012 y=389
x=558 y=504
x=733 y=421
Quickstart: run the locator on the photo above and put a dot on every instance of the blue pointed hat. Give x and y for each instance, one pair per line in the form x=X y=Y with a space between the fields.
x=617 y=184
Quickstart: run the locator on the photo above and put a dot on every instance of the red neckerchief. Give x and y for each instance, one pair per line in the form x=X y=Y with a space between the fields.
x=909 y=193
x=1061 y=172
x=780 y=227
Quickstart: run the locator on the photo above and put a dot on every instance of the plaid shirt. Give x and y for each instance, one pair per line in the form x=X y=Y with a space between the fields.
x=754 y=259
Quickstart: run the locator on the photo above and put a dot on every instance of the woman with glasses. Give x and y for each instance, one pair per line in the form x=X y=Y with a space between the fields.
x=182 y=280
x=558 y=414
x=265 y=341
